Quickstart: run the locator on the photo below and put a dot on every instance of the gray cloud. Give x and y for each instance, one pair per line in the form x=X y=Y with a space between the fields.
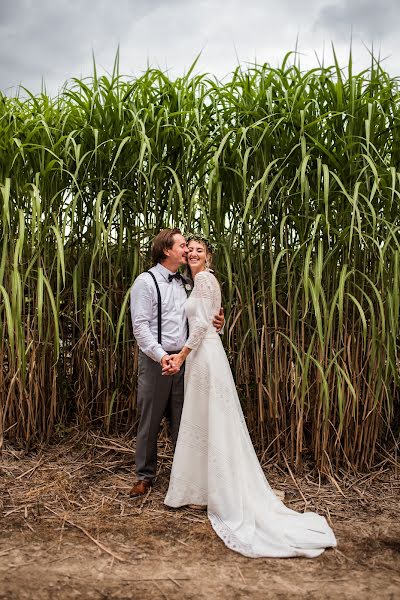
x=50 y=37
x=370 y=19
x=55 y=38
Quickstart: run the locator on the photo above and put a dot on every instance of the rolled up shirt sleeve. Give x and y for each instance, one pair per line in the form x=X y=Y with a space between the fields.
x=142 y=303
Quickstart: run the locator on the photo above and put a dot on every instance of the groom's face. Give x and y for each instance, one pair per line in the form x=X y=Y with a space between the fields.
x=179 y=250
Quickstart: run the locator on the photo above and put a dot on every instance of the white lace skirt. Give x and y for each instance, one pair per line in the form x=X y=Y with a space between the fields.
x=215 y=464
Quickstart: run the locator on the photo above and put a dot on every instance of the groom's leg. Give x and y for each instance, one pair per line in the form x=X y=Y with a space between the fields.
x=175 y=404
x=153 y=393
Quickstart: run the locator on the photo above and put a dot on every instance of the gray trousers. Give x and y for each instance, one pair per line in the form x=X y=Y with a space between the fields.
x=158 y=395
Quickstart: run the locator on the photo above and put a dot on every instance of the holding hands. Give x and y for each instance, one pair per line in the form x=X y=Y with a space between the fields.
x=171 y=363
x=166 y=366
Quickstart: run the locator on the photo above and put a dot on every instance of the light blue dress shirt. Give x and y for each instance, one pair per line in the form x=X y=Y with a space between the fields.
x=144 y=313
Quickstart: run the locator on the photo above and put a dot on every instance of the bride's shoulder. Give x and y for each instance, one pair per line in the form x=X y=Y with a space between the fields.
x=204 y=275
x=206 y=278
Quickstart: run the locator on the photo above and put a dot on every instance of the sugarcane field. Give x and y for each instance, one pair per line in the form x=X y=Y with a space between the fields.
x=291 y=177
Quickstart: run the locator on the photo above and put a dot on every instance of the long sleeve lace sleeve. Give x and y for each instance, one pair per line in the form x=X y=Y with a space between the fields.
x=203 y=294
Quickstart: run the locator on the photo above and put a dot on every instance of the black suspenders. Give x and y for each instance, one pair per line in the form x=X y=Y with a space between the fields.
x=159 y=309
x=158 y=306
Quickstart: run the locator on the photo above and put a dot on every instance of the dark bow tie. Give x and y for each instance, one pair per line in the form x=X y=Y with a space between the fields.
x=174 y=276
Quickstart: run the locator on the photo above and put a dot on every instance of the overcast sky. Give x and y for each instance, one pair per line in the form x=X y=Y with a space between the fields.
x=54 y=39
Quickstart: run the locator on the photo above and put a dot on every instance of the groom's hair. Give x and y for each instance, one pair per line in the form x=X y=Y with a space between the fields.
x=163 y=241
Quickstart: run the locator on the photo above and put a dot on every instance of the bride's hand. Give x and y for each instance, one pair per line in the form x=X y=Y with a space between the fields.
x=176 y=361
x=172 y=366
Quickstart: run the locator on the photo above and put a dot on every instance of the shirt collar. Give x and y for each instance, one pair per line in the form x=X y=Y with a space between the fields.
x=163 y=271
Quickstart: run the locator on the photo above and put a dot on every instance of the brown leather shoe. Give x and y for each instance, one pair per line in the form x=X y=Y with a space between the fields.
x=140 y=487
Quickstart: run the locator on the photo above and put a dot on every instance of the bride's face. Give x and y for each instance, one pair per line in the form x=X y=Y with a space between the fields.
x=197 y=255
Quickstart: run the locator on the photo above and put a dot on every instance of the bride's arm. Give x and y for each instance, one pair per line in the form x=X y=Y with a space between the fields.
x=203 y=295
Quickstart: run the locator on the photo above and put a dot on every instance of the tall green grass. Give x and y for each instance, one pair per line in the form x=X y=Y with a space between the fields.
x=294 y=174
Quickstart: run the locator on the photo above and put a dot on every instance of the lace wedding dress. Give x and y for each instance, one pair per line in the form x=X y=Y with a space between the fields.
x=215 y=462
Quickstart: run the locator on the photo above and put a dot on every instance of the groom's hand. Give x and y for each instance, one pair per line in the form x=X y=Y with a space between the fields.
x=219 y=320
x=167 y=365
x=174 y=364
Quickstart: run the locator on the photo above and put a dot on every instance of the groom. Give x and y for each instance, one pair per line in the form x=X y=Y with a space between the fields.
x=160 y=327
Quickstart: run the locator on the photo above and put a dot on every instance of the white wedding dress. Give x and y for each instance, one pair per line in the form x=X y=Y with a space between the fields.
x=215 y=463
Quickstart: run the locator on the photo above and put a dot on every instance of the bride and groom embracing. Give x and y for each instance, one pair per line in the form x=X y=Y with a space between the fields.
x=184 y=374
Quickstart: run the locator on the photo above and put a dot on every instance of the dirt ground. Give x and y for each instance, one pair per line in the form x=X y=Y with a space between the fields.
x=68 y=529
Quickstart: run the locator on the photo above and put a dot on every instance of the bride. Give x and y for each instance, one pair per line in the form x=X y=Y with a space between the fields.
x=214 y=462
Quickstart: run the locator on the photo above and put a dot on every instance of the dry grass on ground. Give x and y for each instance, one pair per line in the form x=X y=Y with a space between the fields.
x=69 y=530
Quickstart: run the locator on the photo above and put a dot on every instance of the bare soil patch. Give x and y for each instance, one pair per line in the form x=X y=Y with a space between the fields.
x=69 y=530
